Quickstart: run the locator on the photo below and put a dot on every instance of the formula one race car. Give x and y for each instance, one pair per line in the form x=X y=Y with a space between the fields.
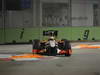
x=51 y=46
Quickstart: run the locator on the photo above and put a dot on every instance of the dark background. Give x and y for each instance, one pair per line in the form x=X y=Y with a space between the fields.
x=15 y=4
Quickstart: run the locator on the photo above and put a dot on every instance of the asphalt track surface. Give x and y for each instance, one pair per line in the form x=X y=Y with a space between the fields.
x=82 y=62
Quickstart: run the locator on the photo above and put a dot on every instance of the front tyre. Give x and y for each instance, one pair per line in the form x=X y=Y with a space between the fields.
x=36 y=46
x=67 y=47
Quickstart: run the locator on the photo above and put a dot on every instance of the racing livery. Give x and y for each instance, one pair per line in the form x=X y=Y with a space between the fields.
x=51 y=46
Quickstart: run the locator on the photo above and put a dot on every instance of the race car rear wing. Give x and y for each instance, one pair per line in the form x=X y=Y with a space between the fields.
x=50 y=33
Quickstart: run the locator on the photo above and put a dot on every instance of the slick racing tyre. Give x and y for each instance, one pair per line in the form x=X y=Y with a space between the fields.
x=67 y=47
x=66 y=44
x=35 y=45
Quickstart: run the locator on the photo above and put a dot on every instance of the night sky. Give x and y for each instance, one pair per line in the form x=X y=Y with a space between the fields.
x=15 y=4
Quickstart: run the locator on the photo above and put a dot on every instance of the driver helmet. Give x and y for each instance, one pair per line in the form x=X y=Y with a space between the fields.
x=51 y=38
